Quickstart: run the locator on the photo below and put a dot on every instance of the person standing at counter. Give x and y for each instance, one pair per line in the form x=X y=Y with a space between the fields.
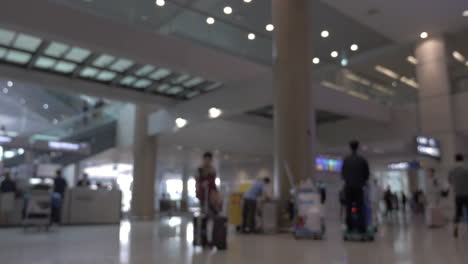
x=8 y=184
x=84 y=182
x=60 y=184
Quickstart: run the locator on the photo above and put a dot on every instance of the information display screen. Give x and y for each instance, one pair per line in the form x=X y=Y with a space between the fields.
x=328 y=164
x=428 y=147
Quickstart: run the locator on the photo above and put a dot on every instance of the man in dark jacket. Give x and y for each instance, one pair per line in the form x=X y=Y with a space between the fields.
x=355 y=173
x=8 y=185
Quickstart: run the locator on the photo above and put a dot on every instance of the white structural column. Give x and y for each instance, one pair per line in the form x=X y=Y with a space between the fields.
x=144 y=166
x=293 y=93
x=435 y=99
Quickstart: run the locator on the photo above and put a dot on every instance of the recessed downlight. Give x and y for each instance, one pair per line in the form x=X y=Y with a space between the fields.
x=325 y=34
x=270 y=27
x=334 y=54
x=316 y=60
x=227 y=10
x=424 y=35
x=210 y=21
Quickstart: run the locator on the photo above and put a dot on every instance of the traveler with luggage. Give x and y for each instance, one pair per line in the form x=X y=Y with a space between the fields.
x=355 y=173
x=210 y=203
x=458 y=178
x=250 y=204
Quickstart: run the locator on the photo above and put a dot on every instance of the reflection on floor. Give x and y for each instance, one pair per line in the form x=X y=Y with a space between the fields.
x=169 y=241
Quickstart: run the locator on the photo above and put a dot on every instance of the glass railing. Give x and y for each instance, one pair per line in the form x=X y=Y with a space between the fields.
x=80 y=123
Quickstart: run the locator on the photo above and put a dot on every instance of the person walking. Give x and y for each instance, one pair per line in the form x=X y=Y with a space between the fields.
x=458 y=178
x=355 y=173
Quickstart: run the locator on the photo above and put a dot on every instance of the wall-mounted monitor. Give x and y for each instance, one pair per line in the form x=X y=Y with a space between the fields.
x=428 y=147
x=328 y=164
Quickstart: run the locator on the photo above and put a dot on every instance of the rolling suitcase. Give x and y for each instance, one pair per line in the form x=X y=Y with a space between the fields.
x=219 y=236
x=434 y=217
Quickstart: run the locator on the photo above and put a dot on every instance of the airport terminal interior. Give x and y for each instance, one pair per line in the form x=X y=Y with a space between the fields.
x=233 y=131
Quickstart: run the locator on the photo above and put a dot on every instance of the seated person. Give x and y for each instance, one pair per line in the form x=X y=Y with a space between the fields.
x=84 y=182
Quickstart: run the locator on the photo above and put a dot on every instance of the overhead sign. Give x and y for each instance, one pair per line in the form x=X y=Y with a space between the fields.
x=428 y=147
x=5 y=139
x=328 y=164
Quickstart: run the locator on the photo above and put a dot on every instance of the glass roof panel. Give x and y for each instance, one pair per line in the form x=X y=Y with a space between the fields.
x=3 y=51
x=175 y=90
x=6 y=36
x=163 y=87
x=159 y=74
x=88 y=72
x=106 y=76
x=18 y=57
x=56 y=49
x=44 y=62
x=193 y=82
x=182 y=78
x=212 y=86
x=128 y=80
x=121 y=65
x=142 y=83
x=27 y=42
x=77 y=54
x=103 y=60
x=192 y=94
x=65 y=66
x=145 y=70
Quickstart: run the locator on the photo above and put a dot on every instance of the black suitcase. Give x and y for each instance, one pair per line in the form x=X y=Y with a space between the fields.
x=219 y=237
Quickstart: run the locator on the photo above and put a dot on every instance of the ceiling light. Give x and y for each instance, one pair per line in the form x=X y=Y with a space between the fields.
x=458 y=56
x=412 y=60
x=354 y=47
x=247 y=1
x=21 y=151
x=387 y=72
x=424 y=35
x=270 y=27
x=180 y=122
x=9 y=83
x=344 y=62
x=210 y=20
x=45 y=106
x=325 y=34
x=409 y=82
x=251 y=36
x=5 y=90
x=227 y=10
x=334 y=54
x=316 y=60
x=215 y=112
x=160 y=3
x=465 y=13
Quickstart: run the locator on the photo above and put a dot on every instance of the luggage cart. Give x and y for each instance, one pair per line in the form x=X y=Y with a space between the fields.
x=308 y=221
x=38 y=210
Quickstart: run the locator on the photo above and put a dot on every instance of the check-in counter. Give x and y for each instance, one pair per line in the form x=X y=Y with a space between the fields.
x=10 y=210
x=83 y=206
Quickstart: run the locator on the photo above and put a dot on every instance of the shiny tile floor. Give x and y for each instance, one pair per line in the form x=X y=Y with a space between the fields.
x=169 y=241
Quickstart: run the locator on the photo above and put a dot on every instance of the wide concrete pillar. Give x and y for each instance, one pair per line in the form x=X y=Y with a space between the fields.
x=436 y=117
x=144 y=166
x=294 y=118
